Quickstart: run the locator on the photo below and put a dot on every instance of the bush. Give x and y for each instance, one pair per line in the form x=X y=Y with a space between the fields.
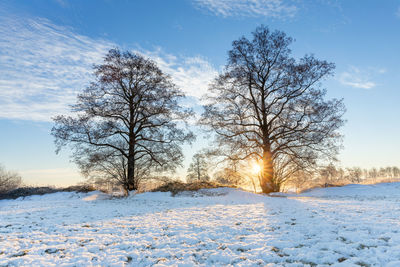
x=176 y=186
x=27 y=191
x=79 y=188
x=8 y=180
x=30 y=191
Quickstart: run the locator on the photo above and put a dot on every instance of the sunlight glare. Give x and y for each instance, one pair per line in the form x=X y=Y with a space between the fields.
x=256 y=168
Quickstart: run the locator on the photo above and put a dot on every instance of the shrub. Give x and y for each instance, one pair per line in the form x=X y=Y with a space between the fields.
x=8 y=180
x=79 y=188
x=176 y=186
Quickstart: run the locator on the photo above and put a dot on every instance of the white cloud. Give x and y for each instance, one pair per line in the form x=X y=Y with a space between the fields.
x=249 y=8
x=357 y=78
x=62 y=3
x=191 y=74
x=381 y=71
x=43 y=66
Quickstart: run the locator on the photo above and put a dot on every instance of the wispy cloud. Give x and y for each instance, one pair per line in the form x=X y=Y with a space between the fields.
x=249 y=8
x=62 y=3
x=43 y=66
x=357 y=78
x=398 y=12
x=191 y=74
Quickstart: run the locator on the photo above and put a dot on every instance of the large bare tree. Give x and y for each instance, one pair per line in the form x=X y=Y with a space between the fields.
x=269 y=107
x=127 y=123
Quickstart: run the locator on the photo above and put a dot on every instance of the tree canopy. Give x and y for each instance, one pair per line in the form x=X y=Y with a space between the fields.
x=269 y=107
x=128 y=124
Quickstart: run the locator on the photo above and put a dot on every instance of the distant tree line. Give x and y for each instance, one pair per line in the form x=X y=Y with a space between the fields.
x=356 y=174
x=332 y=175
x=239 y=173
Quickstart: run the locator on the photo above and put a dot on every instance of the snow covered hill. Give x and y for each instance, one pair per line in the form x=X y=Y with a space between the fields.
x=355 y=225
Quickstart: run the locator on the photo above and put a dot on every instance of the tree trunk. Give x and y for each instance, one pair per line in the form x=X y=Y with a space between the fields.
x=198 y=170
x=131 y=173
x=132 y=185
x=267 y=173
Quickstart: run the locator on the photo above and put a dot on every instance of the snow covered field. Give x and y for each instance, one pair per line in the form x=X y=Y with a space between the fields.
x=356 y=225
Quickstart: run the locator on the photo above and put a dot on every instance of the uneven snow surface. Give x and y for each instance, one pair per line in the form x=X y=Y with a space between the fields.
x=355 y=225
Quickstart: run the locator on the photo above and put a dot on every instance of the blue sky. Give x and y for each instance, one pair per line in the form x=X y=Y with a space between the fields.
x=47 y=49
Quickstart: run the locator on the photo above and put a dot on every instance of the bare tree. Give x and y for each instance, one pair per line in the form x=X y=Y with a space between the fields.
x=373 y=173
x=8 y=180
x=382 y=172
x=198 y=169
x=355 y=174
x=300 y=180
x=230 y=173
x=329 y=174
x=396 y=172
x=127 y=122
x=270 y=107
x=389 y=173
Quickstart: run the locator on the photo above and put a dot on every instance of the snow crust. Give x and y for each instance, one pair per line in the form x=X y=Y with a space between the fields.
x=354 y=225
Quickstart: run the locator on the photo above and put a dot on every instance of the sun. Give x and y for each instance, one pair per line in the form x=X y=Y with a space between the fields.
x=256 y=168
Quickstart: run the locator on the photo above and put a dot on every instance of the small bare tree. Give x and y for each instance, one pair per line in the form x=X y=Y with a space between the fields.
x=127 y=122
x=354 y=174
x=270 y=107
x=300 y=180
x=396 y=172
x=198 y=169
x=229 y=173
x=8 y=180
x=329 y=174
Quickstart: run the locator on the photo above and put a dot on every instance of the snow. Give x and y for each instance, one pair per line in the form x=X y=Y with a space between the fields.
x=354 y=225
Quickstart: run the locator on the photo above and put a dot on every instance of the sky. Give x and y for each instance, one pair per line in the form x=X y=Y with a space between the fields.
x=48 y=48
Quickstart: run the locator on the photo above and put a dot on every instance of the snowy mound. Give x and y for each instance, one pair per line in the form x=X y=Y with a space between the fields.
x=97 y=195
x=383 y=190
